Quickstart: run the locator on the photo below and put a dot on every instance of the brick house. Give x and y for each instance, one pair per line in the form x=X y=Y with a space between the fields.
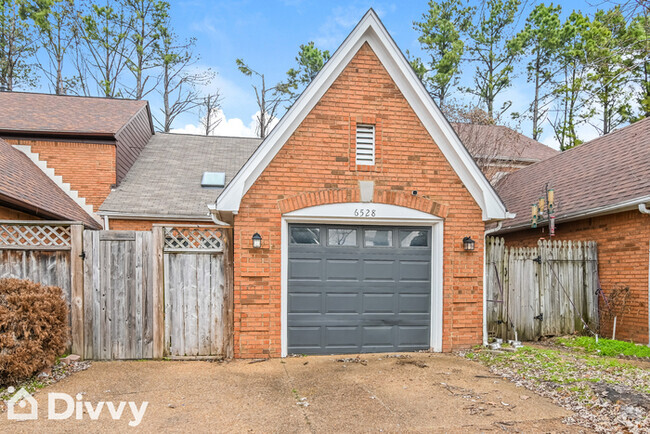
x=84 y=145
x=601 y=191
x=361 y=196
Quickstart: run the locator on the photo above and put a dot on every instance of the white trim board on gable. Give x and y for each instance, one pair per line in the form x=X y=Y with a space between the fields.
x=369 y=30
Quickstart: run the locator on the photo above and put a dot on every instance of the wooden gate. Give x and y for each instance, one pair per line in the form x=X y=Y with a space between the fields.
x=548 y=290
x=118 y=295
x=197 y=292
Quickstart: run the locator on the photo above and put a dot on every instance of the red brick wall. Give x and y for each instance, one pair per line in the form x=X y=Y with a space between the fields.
x=622 y=262
x=145 y=225
x=12 y=214
x=318 y=159
x=89 y=168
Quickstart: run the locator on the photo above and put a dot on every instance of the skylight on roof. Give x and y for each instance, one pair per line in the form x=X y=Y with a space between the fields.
x=213 y=179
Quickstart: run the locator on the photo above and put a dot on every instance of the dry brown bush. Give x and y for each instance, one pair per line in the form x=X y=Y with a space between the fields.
x=34 y=328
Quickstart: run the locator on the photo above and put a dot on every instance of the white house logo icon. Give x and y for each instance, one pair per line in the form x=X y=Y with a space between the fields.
x=22 y=398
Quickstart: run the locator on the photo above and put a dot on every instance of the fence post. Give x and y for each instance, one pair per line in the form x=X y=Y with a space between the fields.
x=158 y=293
x=77 y=289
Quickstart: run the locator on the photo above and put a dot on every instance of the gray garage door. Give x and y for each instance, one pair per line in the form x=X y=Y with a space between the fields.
x=358 y=289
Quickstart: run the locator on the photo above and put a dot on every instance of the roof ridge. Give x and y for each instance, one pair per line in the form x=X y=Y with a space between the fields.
x=203 y=135
x=72 y=96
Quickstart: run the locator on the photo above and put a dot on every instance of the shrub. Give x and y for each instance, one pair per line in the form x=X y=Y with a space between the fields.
x=34 y=328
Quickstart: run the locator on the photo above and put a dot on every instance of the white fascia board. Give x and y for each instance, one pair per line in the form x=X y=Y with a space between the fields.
x=372 y=31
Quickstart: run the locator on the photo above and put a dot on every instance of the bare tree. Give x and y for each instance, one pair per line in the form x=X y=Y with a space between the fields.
x=268 y=99
x=209 y=111
x=17 y=45
x=58 y=30
x=104 y=33
x=144 y=34
x=495 y=148
x=178 y=83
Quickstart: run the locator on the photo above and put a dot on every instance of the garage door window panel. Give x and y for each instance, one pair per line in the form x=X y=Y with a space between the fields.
x=305 y=235
x=378 y=238
x=413 y=238
x=341 y=237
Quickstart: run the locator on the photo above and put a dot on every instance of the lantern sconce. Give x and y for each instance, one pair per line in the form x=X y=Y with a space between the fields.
x=257 y=241
x=468 y=244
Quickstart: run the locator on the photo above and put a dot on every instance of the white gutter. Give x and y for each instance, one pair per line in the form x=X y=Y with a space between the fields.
x=638 y=203
x=643 y=209
x=137 y=216
x=485 y=271
x=213 y=215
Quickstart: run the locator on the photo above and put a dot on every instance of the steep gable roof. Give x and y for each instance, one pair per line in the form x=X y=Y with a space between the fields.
x=25 y=186
x=607 y=174
x=369 y=30
x=62 y=114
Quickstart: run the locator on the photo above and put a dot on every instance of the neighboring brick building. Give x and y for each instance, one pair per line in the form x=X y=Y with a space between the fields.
x=85 y=145
x=362 y=196
x=26 y=193
x=499 y=150
x=601 y=191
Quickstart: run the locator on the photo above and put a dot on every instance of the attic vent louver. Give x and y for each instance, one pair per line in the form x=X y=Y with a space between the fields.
x=213 y=179
x=365 y=145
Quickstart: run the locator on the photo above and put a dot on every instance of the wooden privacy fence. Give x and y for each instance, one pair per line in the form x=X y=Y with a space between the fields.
x=132 y=294
x=197 y=296
x=547 y=290
x=47 y=252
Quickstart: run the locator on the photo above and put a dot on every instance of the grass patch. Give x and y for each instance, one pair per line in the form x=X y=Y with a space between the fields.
x=606 y=347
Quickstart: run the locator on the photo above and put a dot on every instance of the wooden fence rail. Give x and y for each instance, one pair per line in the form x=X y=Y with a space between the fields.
x=547 y=290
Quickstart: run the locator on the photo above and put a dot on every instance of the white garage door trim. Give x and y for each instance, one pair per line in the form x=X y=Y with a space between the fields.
x=362 y=214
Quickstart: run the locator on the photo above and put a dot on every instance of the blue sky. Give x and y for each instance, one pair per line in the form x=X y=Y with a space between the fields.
x=267 y=34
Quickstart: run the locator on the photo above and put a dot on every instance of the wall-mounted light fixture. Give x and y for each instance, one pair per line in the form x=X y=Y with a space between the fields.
x=257 y=241
x=468 y=244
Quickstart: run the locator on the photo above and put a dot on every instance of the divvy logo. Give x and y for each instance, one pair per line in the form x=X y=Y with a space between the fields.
x=17 y=407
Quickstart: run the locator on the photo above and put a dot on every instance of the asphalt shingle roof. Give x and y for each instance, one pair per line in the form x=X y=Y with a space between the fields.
x=22 y=181
x=606 y=171
x=36 y=112
x=166 y=177
x=498 y=141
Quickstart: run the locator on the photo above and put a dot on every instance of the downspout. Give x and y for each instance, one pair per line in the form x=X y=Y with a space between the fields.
x=213 y=216
x=487 y=232
x=643 y=209
x=105 y=222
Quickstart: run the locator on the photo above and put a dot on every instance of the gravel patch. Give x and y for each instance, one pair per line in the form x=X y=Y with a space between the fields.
x=606 y=394
x=49 y=376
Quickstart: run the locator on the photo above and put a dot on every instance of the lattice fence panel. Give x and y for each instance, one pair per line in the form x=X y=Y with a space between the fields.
x=180 y=239
x=37 y=236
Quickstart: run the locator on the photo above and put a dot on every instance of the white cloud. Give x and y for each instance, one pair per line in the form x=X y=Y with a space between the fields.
x=342 y=20
x=227 y=127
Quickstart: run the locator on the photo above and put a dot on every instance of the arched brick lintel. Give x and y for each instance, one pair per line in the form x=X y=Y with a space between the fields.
x=326 y=197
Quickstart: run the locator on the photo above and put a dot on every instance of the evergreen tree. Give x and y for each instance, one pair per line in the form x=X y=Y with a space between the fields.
x=440 y=34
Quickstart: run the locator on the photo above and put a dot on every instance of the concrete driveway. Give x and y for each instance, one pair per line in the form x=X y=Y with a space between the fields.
x=418 y=393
